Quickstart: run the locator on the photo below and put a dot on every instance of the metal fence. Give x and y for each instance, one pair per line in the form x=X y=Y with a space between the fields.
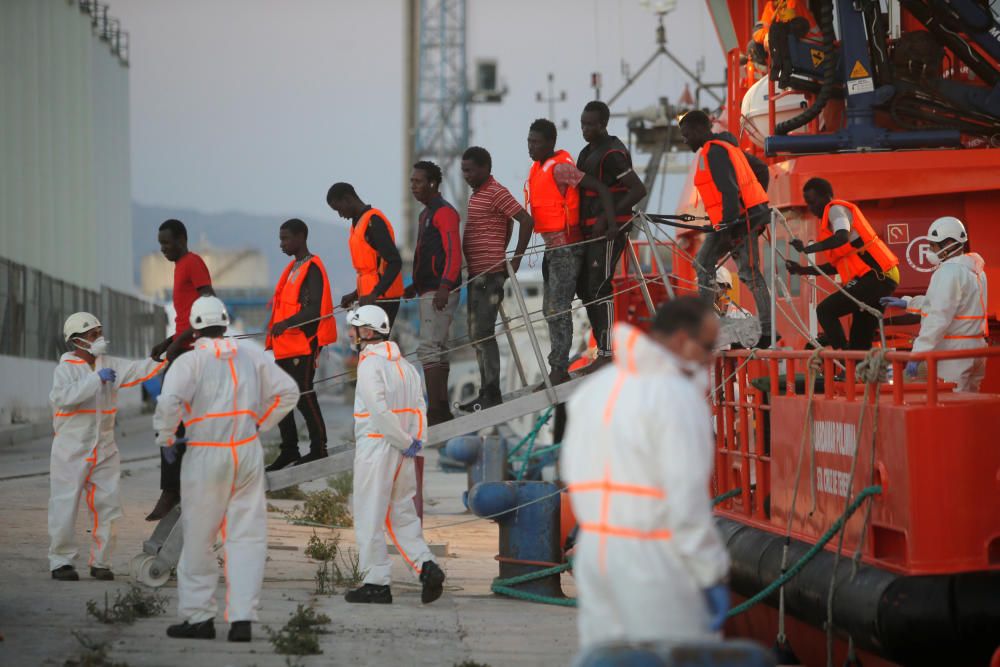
x=33 y=307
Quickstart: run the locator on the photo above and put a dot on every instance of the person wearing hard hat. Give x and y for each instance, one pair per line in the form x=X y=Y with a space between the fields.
x=953 y=312
x=868 y=269
x=637 y=458
x=85 y=461
x=390 y=420
x=225 y=392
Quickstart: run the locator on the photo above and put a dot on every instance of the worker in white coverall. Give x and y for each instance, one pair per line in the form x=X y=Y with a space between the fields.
x=225 y=392
x=390 y=418
x=85 y=461
x=953 y=312
x=650 y=564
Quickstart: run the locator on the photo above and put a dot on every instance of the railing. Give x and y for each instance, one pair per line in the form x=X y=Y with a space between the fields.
x=745 y=382
x=34 y=306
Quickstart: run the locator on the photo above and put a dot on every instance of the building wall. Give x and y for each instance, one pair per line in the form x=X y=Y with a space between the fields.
x=64 y=146
x=65 y=190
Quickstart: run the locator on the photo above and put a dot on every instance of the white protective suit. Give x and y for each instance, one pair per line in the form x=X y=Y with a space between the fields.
x=638 y=457
x=225 y=392
x=389 y=411
x=85 y=458
x=954 y=317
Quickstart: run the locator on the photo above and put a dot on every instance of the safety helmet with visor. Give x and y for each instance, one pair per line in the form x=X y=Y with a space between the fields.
x=368 y=317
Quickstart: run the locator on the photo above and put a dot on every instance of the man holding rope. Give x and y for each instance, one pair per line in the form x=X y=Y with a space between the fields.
x=301 y=324
x=737 y=206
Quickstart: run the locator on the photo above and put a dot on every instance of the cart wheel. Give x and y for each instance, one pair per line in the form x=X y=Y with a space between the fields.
x=133 y=565
x=150 y=573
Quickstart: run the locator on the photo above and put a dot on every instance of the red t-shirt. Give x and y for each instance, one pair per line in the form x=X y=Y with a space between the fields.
x=190 y=275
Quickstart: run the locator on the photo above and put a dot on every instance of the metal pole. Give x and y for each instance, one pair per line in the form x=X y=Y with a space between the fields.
x=513 y=348
x=656 y=255
x=516 y=288
x=774 y=275
x=641 y=277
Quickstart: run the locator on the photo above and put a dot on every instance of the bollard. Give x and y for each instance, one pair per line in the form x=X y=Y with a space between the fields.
x=735 y=653
x=486 y=458
x=529 y=536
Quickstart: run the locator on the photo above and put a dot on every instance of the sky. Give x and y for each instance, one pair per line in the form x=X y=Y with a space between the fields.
x=259 y=105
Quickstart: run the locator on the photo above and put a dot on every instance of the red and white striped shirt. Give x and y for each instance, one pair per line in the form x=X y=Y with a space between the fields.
x=487 y=226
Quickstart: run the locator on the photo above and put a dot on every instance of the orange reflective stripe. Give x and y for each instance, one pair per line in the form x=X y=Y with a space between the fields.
x=630 y=533
x=219 y=415
x=420 y=419
x=375 y=435
x=627 y=489
x=603 y=528
x=277 y=402
x=975 y=337
x=629 y=368
x=388 y=523
x=969 y=317
x=143 y=379
x=222 y=444
x=74 y=361
x=91 y=504
x=86 y=412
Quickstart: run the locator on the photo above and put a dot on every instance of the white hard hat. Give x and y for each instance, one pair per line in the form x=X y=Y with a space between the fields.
x=208 y=311
x=723 y=277
x=372 y=317
x=79 y=323
x=947 y=227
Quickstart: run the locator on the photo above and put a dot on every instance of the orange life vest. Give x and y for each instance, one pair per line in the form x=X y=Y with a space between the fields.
x=367 y=262
x=847 y=258
x=551 y=210
x=751 y=192
x=294 y=342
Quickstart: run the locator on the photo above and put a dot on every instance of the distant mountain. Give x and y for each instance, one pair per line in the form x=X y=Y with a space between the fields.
x=236 y=230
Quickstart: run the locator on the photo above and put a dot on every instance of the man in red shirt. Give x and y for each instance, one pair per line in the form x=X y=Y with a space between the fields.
x=437 y=269
x=191 y=280
x=488 y=229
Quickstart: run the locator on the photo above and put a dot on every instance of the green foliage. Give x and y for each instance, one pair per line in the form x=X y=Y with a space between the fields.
x=94 y=653
x=134 y=604
x=300 y=635
x=337 y=567
x=326 y=507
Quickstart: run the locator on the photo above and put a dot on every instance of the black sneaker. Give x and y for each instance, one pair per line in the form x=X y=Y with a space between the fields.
x=370 y=594
x=432 y=578
x=315 y=454
x=239 y=631
x=65 y=573
x=471 y=406
x=285 y=458
x=102 y=573
x=185 y=630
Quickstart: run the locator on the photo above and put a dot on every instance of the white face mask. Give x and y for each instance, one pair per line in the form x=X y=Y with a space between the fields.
x=95 y=347
x=935 y=258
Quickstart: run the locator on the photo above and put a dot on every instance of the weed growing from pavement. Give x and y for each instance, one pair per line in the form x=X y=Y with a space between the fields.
x=325 y=507
x=125 y=609
x=300 y=635
x=337 y=567
x=343 y=483
x=94 y=653
x=470 y=663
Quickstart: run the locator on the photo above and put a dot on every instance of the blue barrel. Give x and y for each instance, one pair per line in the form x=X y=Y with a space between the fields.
x=529 y=536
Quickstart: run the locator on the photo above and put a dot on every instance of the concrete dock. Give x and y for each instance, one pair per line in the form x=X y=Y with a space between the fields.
x=469 y=623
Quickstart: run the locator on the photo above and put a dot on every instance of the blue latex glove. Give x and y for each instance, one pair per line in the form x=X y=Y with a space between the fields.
x=413 y=449
x=911 y=369
x=892 y=302
x=718 y=605
x=107 y=375
x=170 y=453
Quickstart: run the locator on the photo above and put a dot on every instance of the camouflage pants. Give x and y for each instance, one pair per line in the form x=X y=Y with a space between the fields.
x=560 y=270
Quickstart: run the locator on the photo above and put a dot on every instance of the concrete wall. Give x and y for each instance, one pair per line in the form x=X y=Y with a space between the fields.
x=64 y=146
x=64 y=168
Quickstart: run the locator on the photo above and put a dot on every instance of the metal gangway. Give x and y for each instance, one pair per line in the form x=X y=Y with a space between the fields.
x=161 y=551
